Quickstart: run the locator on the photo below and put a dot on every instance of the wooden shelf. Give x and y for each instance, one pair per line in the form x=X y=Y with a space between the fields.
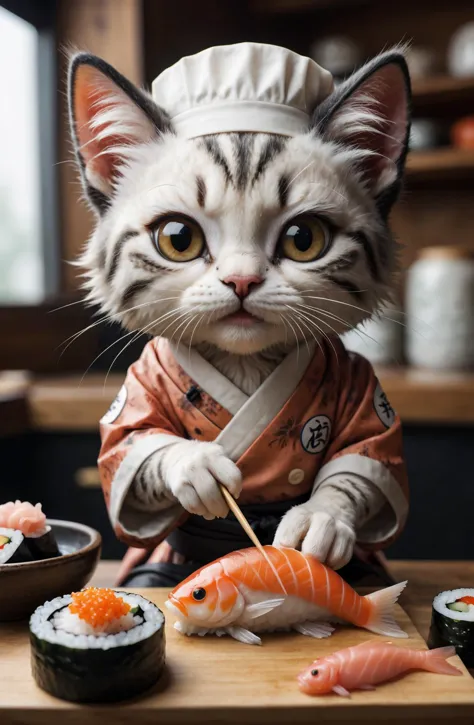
x=421 y=396
x=443 y=95
x=443 y=163
x=66 y=404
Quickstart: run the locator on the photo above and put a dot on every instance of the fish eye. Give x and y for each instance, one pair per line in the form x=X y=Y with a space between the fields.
x=315 y=673
x=199 y=594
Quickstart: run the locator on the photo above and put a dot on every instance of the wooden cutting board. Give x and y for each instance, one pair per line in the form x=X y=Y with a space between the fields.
x=214 y=680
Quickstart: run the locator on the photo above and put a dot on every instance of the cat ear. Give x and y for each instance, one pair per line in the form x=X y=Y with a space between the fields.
x=108 y=116
x=370 y=113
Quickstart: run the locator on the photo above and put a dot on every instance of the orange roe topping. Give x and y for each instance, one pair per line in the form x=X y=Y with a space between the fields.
x=98 y=606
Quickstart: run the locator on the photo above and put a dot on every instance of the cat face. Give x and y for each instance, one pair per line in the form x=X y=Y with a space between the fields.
x=241 y=240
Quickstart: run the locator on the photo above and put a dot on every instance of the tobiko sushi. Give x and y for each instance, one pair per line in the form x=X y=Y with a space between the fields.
x=24 y=533
x=97 y=645
x=452 y=623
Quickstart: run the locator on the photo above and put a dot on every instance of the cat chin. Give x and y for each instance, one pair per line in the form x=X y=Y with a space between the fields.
x=239 y=340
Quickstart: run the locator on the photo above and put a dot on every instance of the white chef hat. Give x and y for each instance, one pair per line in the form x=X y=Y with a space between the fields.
x=242 y=87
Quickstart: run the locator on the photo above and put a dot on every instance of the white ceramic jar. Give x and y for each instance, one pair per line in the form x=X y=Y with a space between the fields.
x=440 y=309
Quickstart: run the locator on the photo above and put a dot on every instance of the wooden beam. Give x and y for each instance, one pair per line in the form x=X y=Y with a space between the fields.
x=111 y=29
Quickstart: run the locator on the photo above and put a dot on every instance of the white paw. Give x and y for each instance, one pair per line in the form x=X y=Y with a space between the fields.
x=192 y=470
x=325 y=537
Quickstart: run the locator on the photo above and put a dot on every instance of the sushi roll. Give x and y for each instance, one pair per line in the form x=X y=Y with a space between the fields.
x=97 y=645
x=30 y=521
x=452 y=623
x=12 y=547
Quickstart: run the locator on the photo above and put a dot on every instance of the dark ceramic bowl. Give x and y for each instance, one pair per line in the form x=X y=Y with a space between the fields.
x=23 y=587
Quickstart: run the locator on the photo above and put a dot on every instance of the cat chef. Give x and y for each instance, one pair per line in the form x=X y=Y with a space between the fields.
x=321 y=412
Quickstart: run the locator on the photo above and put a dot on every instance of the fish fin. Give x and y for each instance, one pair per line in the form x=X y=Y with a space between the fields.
x=340 y=690
x=318 y=630
x=366 y=687
x=244 y=635
x=382 y=620
x=260 y=608
x=435 y=661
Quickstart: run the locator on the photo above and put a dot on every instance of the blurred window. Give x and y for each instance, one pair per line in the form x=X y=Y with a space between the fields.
x=26 y=161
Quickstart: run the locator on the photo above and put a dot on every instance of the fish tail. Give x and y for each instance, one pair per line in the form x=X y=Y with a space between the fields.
x=382 y=619
x=435 y=661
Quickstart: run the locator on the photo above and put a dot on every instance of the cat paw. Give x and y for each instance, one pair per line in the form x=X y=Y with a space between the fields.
x=192 y=471
x=319 y=534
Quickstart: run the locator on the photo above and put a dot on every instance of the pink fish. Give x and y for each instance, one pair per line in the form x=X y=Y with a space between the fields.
x=369 y=664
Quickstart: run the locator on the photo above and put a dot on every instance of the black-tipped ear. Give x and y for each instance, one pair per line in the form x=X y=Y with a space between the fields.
x=108 y=116
x=370 y=113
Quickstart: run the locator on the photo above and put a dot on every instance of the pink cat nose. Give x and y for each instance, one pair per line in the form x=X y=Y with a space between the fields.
x=242 y=285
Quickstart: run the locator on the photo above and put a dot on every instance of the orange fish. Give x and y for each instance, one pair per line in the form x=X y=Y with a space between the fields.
x=368 y=664
x=241 y=594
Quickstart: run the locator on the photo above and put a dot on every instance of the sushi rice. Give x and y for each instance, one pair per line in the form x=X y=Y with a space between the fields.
x=8 y=551
x=54 y=623
x=442 y=601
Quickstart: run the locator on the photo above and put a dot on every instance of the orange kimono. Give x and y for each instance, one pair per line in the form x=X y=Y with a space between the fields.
x=321 y=412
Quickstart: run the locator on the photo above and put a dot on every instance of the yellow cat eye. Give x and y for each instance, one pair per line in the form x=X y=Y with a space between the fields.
x=178 y=238
x=305 y=239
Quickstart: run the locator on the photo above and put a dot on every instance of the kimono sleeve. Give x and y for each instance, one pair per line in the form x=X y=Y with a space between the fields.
x=367 y=440
x=140 y=421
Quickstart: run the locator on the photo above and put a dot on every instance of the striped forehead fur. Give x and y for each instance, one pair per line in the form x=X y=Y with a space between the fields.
x=241 y=188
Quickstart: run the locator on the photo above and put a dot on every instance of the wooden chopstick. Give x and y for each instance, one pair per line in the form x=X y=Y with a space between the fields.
x=234 y=507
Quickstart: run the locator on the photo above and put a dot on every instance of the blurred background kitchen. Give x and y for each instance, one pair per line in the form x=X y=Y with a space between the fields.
x=54 y=382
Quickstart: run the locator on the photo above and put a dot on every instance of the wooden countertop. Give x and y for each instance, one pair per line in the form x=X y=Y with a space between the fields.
x=70 y=403
x=218 y=680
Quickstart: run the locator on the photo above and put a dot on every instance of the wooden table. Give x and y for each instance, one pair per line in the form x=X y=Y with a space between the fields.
x=220 y=681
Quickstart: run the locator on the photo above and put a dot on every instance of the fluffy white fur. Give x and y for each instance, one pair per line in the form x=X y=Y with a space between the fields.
x=153 y=174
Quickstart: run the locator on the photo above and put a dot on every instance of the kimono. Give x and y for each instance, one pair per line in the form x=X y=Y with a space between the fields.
x=322 y=412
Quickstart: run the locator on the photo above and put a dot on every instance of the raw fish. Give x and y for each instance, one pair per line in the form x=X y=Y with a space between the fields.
x=369 y=664
x=241 y=594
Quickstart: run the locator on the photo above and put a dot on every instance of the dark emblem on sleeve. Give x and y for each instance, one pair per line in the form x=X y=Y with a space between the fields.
x=316 y=433
x=383 y=408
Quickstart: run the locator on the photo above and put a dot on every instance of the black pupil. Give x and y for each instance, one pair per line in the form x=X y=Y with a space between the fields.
x=180 y=235
x=302 y=236
x=199 y=594
x=314 y=672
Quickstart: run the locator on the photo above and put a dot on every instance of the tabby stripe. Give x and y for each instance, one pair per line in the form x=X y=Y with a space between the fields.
x=134 y=289
x=201 y=191
x=345 y=285
x=215 y=152
x=243 y=144
x=143 y=262
x=272 y=148
x=361 y=239
x=118 y=251
x=283 y=189
x=345 y=262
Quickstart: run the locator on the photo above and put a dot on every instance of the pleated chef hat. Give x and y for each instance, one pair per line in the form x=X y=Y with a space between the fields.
x=242 y=87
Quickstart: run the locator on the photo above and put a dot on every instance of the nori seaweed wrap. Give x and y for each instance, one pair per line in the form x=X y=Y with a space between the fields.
x=74 y=665
x=13 y=549
x=452 y=623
